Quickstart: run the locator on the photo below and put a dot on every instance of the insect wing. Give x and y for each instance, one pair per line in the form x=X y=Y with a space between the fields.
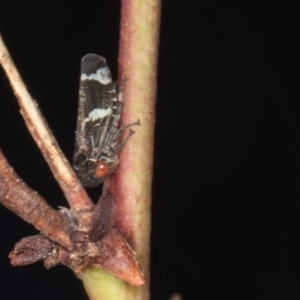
x=98 y=116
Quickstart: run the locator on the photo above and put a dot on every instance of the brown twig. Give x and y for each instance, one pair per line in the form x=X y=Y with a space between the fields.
x=61 y=169
x=31 y=207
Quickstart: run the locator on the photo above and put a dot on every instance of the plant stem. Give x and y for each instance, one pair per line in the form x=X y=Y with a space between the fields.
x=131 y=183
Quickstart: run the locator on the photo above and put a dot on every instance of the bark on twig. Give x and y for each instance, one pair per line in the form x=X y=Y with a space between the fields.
x=30 y=206
x=61 y=169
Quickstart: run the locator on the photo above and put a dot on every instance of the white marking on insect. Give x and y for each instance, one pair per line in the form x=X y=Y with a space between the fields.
x=93 y=141
x=102 y=75
x=98 y=113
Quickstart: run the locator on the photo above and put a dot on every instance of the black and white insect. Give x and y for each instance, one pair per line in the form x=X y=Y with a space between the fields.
x=97 y=136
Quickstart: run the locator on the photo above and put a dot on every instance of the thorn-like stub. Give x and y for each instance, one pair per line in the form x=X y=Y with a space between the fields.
x=30 y=250
x=119 y=259
x=103 y=217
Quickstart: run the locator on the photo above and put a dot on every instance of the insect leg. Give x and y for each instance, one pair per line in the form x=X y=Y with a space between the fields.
x=131 y=132
x=125 y=127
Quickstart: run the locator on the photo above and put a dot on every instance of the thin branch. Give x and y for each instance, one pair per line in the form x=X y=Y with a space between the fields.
x=31 y=207
x=63 y=173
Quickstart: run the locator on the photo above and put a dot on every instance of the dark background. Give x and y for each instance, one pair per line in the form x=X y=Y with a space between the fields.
x=226 y=192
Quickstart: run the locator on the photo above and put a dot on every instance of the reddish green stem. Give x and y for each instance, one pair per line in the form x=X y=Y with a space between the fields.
x=131 y=183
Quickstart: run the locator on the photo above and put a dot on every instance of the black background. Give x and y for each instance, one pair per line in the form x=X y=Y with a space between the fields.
x=226 y=192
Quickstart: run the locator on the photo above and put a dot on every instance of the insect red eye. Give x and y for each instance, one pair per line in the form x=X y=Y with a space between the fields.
x=102 y=169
